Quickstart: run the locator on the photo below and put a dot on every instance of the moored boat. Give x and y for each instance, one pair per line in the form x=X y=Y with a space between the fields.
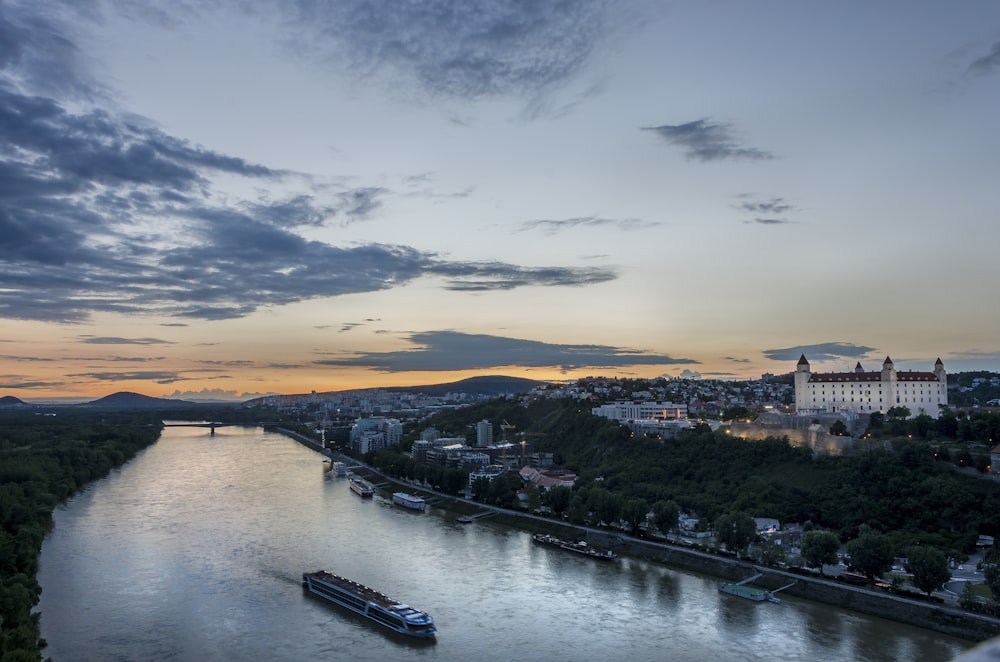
x=370 y=603
x=361 y=487
x=580 y=547
x=411 y=501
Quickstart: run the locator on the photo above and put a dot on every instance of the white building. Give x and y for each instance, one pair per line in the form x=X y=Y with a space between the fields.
x=623 y=411
x=861 y=392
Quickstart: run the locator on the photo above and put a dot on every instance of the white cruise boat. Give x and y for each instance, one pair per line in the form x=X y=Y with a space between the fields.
x=370 y=603
x=410 y=501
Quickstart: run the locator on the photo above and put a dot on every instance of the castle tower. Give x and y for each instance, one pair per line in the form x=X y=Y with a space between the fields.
x=802 y=374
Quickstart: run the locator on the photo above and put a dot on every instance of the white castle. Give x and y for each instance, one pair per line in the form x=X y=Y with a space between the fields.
x=861 y=392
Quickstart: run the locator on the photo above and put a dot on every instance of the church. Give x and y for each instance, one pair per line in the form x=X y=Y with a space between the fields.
x=861 y=392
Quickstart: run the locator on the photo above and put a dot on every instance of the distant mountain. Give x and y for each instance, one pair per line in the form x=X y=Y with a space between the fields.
x=11 y=401
x=488 y=385
x=127 y=400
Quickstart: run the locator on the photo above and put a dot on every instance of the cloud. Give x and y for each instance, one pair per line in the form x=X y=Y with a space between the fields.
x=988 y=63
x=471 y=49
x=820 y=352
x=704 y=140
x=158 y=376
x=453 y=350
x=94 y=340
x=772 y=206
x=551 y=227
x=215 y=394
x=101 y=212
x=16 y=385
x=769 y=221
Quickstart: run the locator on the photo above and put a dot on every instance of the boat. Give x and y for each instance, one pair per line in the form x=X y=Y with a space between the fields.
x=370 y=603
x=362 y=487
x=580 y=547
x=340 y=469
x=411 y=501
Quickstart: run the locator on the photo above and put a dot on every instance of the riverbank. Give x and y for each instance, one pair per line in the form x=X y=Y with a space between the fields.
x=938 y=618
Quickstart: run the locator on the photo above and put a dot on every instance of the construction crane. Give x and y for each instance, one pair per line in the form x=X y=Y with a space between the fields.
x=506 y=426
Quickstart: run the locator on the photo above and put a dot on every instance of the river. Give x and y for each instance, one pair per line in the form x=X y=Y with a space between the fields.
x=195 y=551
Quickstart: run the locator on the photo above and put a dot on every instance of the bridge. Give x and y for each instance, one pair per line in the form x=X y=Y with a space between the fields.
x=210 y=425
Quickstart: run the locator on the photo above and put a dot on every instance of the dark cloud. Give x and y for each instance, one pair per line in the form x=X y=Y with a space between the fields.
x=551 y=227
x=988 y=63
x=470 y=49
x=26 y=359
x=452 y=350
x=102 y=213
x=158 y=376
x=820 y=352
x=16 y=385
x=772 y=206
x=95 y=340
x=704 y=140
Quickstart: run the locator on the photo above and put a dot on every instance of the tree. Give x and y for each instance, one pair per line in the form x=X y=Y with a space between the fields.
x=558 y=498
x=534 y=500
x=991 y=571
x=634 y=513
x=480 y=488
x=929 y=567
x=838 y=429
x=819 y=548
x=871 y=552
x=665 y=514
x=898 y=412
x=736 y=531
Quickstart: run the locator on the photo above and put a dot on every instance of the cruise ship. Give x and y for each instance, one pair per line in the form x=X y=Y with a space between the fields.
x=410 y=501
x=370 y=603
x=361 y=487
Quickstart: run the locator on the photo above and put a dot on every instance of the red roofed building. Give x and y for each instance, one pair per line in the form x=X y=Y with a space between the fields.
x=861 y=392
x=547 y=479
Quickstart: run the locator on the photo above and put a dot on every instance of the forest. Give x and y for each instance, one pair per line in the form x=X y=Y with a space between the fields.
x=44 y=459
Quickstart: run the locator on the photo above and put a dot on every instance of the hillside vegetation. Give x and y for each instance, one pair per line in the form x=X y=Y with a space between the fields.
x=907 y=493
x=44 y=460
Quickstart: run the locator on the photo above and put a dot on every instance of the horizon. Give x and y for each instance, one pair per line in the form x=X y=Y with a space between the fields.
x=235 y=199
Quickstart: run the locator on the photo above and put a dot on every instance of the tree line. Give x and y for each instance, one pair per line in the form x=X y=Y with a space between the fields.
x=44 y=459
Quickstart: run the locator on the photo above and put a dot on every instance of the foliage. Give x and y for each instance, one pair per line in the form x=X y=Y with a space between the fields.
x=871 y=553
x=45 y=459
x=991 y=570
x=736 y=531
x=904 y=492
x=928 y=566
x=838 y=428
x=665 y=514
x=819 y=548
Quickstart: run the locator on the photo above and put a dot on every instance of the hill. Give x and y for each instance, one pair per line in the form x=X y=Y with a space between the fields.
x=127 y=400
x=11 y=401
x=488 y=385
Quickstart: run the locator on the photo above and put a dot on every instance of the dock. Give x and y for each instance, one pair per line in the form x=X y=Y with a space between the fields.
x=741 y=589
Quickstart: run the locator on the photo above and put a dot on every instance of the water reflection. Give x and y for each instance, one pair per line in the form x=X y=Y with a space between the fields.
x=195 y=551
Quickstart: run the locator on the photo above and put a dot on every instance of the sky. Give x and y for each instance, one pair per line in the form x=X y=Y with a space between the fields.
x=229 y=198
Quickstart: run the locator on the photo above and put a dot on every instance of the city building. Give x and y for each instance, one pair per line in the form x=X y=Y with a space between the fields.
x=484 y=433
x=861 y=392
x=623 y=411
x=375 y=433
